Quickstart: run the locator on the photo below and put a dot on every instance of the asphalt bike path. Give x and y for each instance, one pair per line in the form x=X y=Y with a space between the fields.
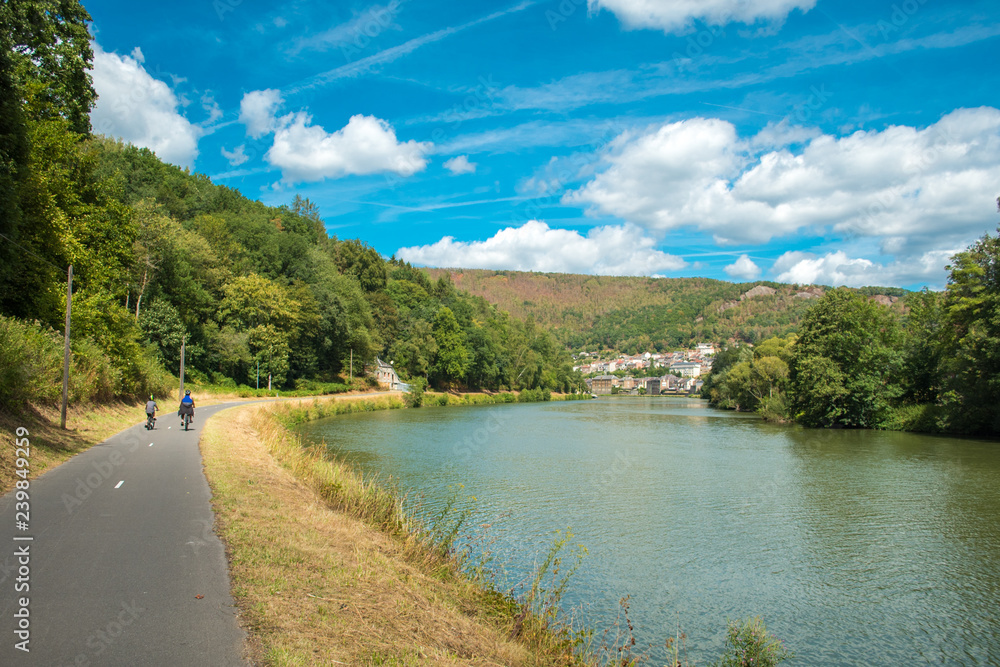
x=117 y=562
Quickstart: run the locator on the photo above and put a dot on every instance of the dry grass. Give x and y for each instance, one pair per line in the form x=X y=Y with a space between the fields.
x=326 y=571
x=51 y=445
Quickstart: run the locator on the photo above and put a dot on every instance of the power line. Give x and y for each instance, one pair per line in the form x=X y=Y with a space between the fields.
x=31 y=253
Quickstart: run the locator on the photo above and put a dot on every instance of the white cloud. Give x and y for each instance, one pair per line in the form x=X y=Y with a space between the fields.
x=354 y=34
x=621 y=250
x=366 y=145
x=237 y=156
x=913 y=189
x=837 y=268
x=744 y=268
x=135 y=107
x=258 y=110
x=460 y=165
x=679 y=15
x=211 y=107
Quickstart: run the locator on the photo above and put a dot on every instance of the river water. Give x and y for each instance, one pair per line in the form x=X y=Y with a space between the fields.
x=856 y=547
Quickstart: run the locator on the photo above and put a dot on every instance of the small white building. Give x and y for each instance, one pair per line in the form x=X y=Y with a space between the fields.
x=386 y=376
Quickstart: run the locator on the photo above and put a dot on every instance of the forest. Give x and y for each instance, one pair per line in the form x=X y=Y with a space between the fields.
x=856 y=363
x=161 y=256
x=644 y=314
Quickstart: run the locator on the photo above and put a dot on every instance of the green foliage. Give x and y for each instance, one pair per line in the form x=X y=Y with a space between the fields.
x=30 y=364
x=415 y=397
x=847 y=363
x=971 y=358
x=749 y=644
x=453 y=355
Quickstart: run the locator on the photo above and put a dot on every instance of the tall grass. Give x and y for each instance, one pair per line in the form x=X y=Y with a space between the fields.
x=31 y=369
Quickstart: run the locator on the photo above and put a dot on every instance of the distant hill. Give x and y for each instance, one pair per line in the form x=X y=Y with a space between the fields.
x=635 y=314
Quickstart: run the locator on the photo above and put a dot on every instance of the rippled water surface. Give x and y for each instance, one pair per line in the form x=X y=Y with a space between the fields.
x=857 y=547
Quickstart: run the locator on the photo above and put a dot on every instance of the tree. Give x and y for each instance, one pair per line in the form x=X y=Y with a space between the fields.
x=453 y=356
x=846 y=364
x=972 y=341
x=360 y=260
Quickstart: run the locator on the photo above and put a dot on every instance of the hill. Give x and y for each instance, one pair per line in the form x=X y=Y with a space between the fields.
x=635 y=314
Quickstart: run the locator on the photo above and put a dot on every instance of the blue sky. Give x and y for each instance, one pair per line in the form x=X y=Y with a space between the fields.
x=803 y=141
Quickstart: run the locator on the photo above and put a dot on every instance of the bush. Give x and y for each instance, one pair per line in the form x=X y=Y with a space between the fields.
x=415 y=397
x=92 y=377
x=749 y=644
x=30 y=364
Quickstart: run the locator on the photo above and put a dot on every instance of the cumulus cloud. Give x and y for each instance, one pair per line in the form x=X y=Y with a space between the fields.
x=460 y=165
x=366 y=145
x=837 y=268
x=140 y=109
x=912 y=189
x=258 y=111
x=743 y=268
x=679 y=15
x=619 y=250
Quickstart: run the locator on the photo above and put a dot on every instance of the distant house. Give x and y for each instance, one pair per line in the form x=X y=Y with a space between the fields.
x=689 y=369
x=602 y=384
x=653 y=386
x=386 y=376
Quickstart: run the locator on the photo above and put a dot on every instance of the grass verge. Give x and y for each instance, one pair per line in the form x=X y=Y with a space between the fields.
x=51 y=445
x=327 y=569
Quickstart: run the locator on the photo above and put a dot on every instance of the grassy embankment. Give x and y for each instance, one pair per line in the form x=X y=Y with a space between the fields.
x=327 y=568
x=90 y=423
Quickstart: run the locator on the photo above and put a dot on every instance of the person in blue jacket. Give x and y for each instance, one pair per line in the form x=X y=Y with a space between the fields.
x=187 y=406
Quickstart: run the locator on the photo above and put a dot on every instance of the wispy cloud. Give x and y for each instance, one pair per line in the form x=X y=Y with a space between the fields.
x=370 y=63
x=709 y=73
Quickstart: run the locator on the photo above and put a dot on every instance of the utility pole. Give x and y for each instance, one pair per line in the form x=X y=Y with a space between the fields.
x=258 y=373
x=269 y=369
x=69 y=310
x=183 y=342
x=352 y=368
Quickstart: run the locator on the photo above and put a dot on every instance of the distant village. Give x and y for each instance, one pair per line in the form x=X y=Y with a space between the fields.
x=682 y=372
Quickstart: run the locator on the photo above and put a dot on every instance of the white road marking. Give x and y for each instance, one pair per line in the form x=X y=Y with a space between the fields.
x=119 y=483
x=150 y=444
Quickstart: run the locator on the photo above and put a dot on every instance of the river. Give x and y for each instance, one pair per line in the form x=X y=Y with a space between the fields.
x=856 y=547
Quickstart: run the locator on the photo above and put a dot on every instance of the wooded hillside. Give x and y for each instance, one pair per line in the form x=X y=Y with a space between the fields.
x=638 y=314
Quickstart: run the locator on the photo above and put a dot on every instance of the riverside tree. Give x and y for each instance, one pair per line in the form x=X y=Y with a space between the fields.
x=971 y=359
x=845 y=368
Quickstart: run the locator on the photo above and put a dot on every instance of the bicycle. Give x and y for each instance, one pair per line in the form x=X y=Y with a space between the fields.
x=187 y=420
x=150 y=422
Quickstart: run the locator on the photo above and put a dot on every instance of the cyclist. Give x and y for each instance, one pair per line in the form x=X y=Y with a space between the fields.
x=151 y=409
x=187 y=406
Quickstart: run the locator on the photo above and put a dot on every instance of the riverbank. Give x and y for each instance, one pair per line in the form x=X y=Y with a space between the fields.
x=327 y=569
x=86 y=425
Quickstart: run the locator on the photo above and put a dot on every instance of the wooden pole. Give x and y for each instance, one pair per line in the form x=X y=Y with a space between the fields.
x=183 y=344
x=66 y=352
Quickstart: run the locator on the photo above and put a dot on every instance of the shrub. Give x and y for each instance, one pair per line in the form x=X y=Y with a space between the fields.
x=415 y=397
x=749 y=644
x=92 y=377
x=30 y=364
